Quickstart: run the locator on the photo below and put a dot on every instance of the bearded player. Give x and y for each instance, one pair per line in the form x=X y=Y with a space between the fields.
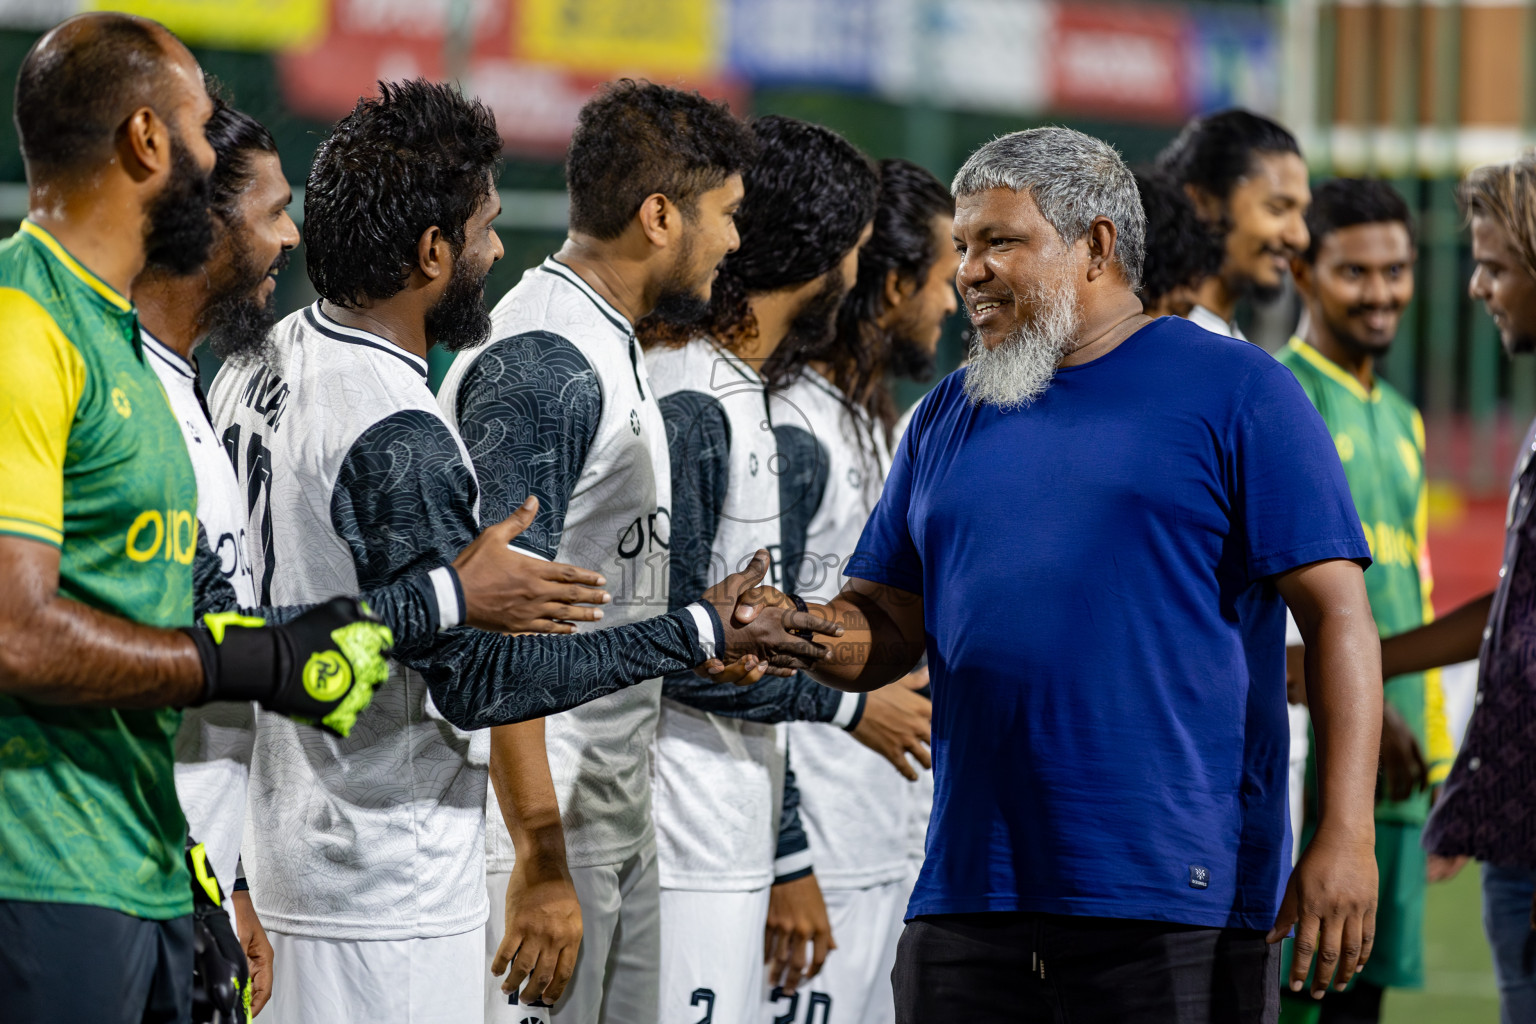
x=720 y=781
x=231 y=299
x=97 y=539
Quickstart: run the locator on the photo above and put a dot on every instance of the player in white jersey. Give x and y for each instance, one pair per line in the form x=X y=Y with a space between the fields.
x=557 y=404
x=367 y=863
x=720 y=782
x=232 y=297
x=831 y=418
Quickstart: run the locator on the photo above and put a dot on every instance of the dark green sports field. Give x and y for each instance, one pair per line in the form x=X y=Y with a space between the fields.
x=1458 y=984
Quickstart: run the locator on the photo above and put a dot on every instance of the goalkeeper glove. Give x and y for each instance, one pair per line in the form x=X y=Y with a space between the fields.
x=221 y=982
x=320 y=668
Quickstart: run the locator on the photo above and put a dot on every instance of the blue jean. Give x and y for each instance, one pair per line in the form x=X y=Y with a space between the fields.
x=1507 y=919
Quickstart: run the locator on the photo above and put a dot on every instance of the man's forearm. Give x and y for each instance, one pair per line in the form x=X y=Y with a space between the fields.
x=1345 y=697
x=524 y=789
x=1457 y=637
x=68 y=653
x=872 y=650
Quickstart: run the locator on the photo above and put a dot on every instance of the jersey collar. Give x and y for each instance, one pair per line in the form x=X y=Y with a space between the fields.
x=317 y=319
x=1208 y=319
x=90 y=280
x=165 y=354
x=565 y=273
x=1328 y=368
x=735 y=362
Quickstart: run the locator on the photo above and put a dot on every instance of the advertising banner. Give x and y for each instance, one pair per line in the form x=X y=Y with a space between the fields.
x=535 y=101
x=659 y=38
x=810 y=41
x=230 y=24
x=1119 y=61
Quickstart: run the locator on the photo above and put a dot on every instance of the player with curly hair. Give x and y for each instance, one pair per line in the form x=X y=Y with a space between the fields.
x=809 y=200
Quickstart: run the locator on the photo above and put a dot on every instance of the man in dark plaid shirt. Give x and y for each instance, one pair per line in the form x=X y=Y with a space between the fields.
x=1487 y=810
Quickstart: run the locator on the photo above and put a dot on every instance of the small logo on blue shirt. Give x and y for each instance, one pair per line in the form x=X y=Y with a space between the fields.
x=1199 y=877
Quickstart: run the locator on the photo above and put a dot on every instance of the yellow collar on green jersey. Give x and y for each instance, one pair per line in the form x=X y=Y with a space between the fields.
x=73 y=265
x=1333 y=370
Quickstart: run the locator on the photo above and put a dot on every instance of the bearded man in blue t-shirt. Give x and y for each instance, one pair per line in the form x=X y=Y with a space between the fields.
x=1094 y=531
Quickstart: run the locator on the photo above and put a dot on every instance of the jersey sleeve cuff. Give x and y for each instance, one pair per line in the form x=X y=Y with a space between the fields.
x=515 y=546
x=792 y=866
x=32 y=530
x=449 y=593
x=850 y=709
x=707 y=627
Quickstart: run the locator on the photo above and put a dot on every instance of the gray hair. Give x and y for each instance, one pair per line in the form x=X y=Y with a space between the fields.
x=1072 y=178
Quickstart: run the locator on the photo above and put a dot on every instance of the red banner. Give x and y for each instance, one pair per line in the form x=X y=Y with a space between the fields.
x=1119 y=61
x=372 y=40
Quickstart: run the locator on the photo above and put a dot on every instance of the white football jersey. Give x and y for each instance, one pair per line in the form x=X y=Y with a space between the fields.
x=213 y=745
x=852 y=801
x=717 y=779
x=552 y=335
x=344 y=453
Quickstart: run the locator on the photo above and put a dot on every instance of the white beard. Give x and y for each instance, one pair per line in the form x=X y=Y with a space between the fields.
x=1021 y=367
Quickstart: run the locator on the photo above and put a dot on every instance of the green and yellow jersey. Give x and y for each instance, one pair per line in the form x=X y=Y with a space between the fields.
x=91 y=461
x=1380 y=439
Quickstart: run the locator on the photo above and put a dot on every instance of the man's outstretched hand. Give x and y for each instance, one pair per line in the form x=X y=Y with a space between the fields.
x=506 y=591
x=759 y=623
x=1331 y=899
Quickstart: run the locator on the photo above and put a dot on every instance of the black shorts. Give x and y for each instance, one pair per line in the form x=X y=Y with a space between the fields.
x=69 y=962
x=1028 y=968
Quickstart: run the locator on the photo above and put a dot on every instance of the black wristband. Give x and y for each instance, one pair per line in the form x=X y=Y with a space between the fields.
x=804 y=634
x=245 y=666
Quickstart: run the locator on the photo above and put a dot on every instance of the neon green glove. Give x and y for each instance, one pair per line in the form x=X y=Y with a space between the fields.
x=319 y=668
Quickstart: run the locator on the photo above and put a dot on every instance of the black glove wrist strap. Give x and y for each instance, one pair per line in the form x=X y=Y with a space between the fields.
x=247 y=665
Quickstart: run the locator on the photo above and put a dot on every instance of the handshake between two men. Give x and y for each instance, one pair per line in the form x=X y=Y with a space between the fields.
x=499 y=672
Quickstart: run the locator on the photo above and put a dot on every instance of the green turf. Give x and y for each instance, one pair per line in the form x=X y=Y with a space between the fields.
x=1458 y=975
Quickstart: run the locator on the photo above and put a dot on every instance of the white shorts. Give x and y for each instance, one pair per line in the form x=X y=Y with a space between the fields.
x=854 y=986
x=712 y=956
x=616 y=975
x=395 y=981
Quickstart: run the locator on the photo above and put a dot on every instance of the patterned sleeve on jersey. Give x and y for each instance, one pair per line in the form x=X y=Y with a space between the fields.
x=699 y=440
x=404 y=503
x=804 y=465
x=796 y=698
x=481 y=679
x=409 y=607
x=792 y=854
x=528 y=410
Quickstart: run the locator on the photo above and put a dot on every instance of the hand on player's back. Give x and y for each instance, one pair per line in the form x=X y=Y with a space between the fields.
x=761 y=622
x=509 y=592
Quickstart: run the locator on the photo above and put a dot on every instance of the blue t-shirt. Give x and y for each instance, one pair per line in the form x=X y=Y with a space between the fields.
x=1104 y=635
